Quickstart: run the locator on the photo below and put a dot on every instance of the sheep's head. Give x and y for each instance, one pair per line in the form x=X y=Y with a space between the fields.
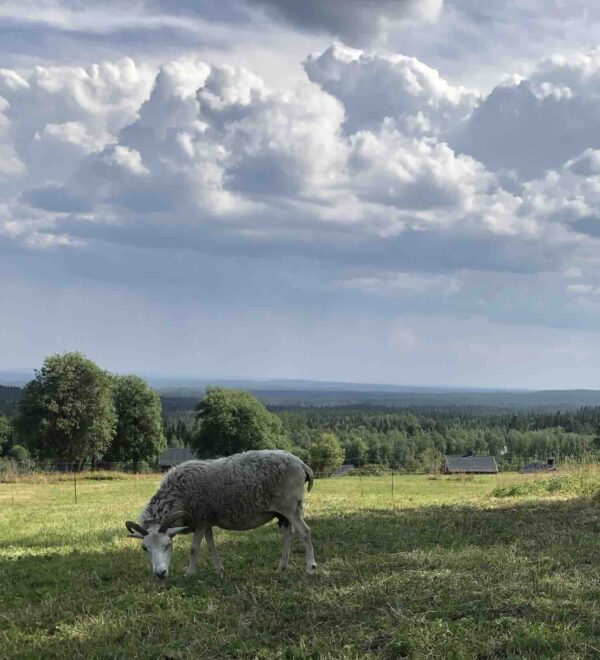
x=157 y=542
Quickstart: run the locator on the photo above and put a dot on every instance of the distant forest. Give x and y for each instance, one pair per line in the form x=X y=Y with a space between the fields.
x=389 y=431
x=410 y=431
x=9 y=398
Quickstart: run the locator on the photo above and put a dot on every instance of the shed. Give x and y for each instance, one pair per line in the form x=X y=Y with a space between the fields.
x=470 y=465
x=343 y=470
x=174 y=456
x=539 y=466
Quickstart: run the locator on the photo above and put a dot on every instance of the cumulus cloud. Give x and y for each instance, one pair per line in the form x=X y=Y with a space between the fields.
x=57 y=115
x=357 y=172
x=529 y=125
x=374 y=86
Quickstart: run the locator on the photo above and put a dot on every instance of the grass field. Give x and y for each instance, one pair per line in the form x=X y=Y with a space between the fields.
x=489 y=567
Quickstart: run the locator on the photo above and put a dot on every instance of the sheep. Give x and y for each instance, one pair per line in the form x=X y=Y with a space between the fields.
x=238 y=492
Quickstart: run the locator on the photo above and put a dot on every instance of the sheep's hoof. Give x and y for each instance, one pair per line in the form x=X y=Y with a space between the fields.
x=311 y=569
x=221 y=573
x=281 y=569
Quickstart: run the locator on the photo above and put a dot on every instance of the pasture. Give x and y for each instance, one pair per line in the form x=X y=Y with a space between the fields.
x=486 y=567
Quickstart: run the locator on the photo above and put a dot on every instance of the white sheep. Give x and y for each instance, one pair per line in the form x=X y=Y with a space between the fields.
x=238 y=492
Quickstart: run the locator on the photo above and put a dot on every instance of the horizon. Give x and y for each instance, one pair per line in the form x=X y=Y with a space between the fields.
x=360 y=192
x=166 y=382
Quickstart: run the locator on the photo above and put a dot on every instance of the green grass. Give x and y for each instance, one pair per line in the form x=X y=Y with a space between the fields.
x=487 y=567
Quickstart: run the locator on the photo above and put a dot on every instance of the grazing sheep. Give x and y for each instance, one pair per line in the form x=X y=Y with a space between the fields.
x=238 y=492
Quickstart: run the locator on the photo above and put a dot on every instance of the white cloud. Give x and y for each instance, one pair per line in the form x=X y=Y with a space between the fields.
x=59 y=114
x=210 y=158
x=373 y=86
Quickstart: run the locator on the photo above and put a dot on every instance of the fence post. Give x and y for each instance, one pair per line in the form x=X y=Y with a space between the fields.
x=362 y=494
x=75 y=483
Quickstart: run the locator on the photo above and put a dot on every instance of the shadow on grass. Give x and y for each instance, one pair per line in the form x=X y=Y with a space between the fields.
x=522 y=579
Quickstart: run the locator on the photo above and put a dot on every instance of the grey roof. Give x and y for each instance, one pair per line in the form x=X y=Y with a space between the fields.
x=343 y=469
x=473 y=464
x=537 y=467
x=175 y=455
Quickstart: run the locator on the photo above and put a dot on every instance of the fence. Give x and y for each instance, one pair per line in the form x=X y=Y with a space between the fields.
x=66 y=484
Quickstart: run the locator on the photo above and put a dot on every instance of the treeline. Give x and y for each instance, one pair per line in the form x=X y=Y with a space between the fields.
x=75 y=413
x=9 y=399
x=408 y=440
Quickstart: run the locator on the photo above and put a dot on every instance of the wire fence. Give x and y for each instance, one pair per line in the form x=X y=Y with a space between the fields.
x=67 y=484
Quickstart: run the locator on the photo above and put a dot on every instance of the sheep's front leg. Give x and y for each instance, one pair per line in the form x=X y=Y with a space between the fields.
x=297 y=520
x=194 y=551
x=285 y=555
x=210 y=542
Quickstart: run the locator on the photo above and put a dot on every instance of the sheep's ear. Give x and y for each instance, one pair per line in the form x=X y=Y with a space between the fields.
x=173 y=531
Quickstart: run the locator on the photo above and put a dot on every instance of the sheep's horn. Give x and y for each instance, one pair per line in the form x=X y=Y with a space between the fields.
x=133 y=527
x=174 y=517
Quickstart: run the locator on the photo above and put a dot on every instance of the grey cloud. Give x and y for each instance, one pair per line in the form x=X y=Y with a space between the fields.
x=54 y=197
x=356 y=21
x=539 y=123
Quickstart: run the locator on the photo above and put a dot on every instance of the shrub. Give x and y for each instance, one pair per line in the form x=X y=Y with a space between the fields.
x=19 y=454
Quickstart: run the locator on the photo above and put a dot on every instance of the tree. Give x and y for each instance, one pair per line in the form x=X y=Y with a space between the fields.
x=232 y=421
x=139 y=431
x=326 y=454
x=356 y=450
x=430 y=460
x=66 y=412
x=6 y=434
x=19 y=454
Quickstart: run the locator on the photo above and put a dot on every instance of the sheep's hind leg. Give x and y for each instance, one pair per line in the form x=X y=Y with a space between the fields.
x=194 y=551
x=297 y=520
x=285 y=555
x=210 y=542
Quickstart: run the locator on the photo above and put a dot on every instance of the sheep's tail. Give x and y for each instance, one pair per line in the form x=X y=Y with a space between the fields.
x=310 y=477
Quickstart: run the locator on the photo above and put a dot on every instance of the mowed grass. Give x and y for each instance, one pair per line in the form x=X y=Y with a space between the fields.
x=488 y=567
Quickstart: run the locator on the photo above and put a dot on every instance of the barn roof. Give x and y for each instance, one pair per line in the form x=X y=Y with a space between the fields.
x=537 y=467
x=175 y=455
x=343 y=470
x=473 y=464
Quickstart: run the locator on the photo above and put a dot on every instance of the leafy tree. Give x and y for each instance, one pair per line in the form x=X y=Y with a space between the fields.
x=66 y=412
x=139 y=432
x=19 y=454
x=430 y=460
x=326 y=454
x=6 y=434
x=232 y=421
x=356 y=450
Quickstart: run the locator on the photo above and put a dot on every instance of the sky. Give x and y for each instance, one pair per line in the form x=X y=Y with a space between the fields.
x=385 y=191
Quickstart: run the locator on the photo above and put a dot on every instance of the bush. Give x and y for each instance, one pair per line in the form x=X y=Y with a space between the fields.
x=19 y=454
x=7 y=465
x=568 y=484
x=139 y=467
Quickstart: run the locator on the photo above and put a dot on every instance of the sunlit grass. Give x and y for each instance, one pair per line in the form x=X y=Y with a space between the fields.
x=438 y=568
